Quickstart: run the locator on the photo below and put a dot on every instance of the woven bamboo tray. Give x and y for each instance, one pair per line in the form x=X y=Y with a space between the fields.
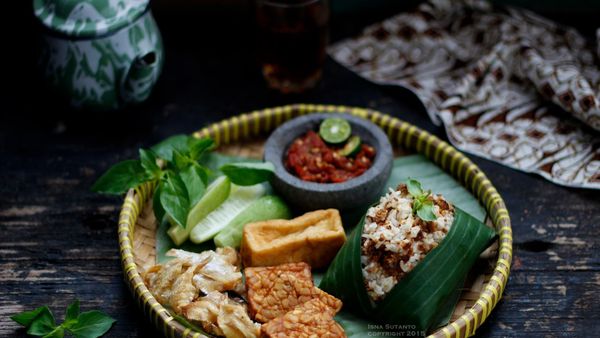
x=244 y=134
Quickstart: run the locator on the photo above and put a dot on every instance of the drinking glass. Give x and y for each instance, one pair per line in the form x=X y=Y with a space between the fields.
x=292 y=36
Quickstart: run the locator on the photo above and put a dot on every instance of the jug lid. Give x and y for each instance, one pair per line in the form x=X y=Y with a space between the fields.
x=87 y=18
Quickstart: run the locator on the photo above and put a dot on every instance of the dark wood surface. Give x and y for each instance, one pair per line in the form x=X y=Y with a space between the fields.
x=59 y=241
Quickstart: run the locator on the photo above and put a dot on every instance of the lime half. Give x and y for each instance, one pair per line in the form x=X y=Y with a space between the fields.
x=335 y=130
x=351 y=147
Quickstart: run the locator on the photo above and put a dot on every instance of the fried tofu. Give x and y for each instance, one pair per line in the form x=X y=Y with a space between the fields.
x=311 y=319
x=314 y=238
x=273 y=291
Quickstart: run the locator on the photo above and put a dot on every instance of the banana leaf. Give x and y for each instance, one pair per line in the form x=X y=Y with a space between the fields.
x=417 y=299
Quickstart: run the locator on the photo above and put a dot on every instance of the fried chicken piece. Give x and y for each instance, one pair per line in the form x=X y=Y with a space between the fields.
x=311 y=319
x=273 y=291
x=219 y=315
x=180 y=281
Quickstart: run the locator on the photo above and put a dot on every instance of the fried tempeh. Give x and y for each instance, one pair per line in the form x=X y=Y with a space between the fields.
x=311 y=319
x=273 y=291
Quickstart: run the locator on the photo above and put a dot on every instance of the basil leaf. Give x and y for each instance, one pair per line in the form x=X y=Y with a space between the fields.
x=91 y=324
x=198 y=146
x=174 y=199
x=245 y=173
x=159 y=211
x=425 y=212
x=72 y=312
x=194 y=179
x=179 y=160
x=414 y=188
x=58 y=332
x=27 y=317
x=121 y=177
x=43 y=324
x=148 y=159
x=165 y=148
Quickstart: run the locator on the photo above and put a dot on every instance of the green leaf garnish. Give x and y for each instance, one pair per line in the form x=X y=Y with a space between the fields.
x=422 y=206
x=180 y=178
x=174 y=198
x=72 y=311
x=248 y=173
x=195 y=179
x=197 y=147
x=148 y=159
x=43 y=324
x=159 y=211
x=414 y=188
x=91 y=324
x=165 y=148
x=40 y=322
x=425 y=212
x=121 y=177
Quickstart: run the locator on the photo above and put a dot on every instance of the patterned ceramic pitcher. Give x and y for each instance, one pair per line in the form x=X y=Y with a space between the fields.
x=101 y=54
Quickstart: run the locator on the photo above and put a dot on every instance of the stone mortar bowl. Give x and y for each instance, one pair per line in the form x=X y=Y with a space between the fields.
x=354 y=193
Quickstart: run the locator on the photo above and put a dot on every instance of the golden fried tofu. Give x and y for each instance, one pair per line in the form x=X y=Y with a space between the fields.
x=314 y=238
x=311 y=319
x=273 y=291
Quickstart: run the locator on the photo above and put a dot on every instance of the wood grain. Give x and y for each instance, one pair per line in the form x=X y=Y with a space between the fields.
x=59 y=241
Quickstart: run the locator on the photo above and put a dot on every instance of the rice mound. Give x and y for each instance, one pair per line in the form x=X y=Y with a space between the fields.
x=395 y=240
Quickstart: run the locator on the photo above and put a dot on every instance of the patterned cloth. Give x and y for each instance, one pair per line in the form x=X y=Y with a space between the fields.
x=507 y=84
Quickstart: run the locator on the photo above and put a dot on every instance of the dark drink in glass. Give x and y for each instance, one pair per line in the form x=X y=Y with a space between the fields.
x=292 y=36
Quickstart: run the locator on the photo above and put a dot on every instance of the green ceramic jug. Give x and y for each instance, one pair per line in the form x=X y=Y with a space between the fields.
x=100 y=54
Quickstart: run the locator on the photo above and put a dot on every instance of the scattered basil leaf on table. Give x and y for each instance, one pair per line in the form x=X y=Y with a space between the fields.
x=72 y=311
x=121 y=177
x=40 y=322
x=90 y=324
x=246 y=173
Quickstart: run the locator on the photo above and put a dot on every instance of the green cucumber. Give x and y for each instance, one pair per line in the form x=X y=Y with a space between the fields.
x=216 y=193
x=239 y=199
x=265 y=208
x=351 y=147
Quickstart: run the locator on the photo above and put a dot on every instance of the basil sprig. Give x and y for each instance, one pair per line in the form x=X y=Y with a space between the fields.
x=181 y=178
x=422 y=204
x=40 y=322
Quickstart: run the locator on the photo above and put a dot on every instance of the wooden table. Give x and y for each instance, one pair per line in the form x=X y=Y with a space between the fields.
x=59 y=240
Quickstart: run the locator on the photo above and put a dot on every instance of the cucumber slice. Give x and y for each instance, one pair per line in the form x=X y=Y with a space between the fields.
x=351 y=147
x=335 y=130
x=264 y=208
x=239 y=199
x=216 y=193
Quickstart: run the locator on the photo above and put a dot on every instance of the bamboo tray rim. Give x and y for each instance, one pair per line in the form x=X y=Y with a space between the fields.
x=400 y=133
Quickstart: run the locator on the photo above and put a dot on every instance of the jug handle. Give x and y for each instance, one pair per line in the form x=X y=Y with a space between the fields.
x=140 y=77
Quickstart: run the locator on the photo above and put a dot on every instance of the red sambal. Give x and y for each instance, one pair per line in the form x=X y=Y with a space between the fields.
x=311 y=159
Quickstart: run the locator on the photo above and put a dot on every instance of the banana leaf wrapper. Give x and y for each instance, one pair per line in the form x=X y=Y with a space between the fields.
x=422 y=293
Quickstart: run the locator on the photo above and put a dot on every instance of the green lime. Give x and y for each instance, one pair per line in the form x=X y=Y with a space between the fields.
x=351 y=147
x=335 y=130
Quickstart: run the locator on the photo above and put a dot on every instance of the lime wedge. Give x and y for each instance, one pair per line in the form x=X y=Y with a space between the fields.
x=351 y=147
x=335 y=130
x=216 y=193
